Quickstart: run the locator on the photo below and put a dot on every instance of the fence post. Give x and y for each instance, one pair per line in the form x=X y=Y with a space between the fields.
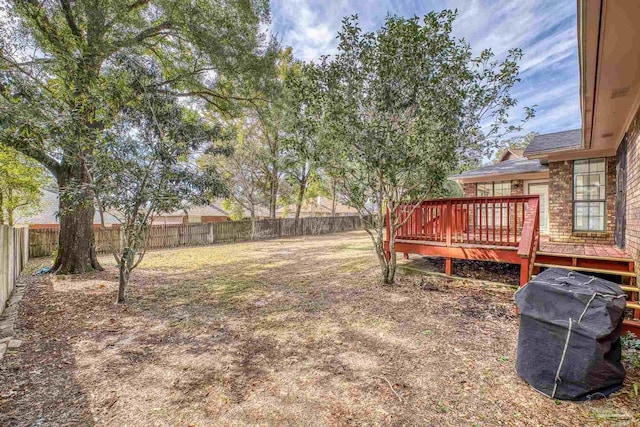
x=25 y=247
x=4 y=273
x=210 y=237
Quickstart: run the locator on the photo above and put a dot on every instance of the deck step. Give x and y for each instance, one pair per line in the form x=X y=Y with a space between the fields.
x=634 y=305
x=597 y=257
x=631 y=326
x=630 y=288
x=589 y=270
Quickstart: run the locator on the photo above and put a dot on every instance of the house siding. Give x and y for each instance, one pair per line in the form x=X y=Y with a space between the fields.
x=561 y=205
x=632 y=234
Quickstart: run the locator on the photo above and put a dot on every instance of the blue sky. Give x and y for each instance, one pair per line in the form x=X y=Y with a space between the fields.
x=544 y=29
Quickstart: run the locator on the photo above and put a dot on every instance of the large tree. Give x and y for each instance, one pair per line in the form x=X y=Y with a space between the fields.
x=301 y=122
x=242 y=171
x=65 y=69
x=403 y=106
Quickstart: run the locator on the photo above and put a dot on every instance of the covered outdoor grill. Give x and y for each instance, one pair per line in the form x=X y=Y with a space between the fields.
x=569 y=341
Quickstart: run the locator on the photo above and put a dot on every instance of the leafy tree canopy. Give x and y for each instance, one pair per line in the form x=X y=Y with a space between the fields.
x=66 y=73
x=145 y=167
x=402 y=107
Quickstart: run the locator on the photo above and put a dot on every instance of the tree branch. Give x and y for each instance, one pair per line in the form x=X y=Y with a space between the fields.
x=71 y=21
x=143 y=35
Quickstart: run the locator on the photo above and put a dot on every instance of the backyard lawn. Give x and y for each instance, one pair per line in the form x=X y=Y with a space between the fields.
x=282 y=332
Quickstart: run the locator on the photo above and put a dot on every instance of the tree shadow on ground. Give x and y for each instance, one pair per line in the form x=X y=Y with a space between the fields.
x=300 y=335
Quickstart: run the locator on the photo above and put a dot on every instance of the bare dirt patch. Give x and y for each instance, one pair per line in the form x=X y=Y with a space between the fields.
x=283 y=332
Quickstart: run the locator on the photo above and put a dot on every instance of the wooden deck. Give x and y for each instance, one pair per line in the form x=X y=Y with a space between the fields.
x=587 y=249
x=503 y=229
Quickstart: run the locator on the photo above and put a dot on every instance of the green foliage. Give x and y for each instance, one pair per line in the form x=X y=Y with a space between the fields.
x=404 y=106
x=145 y=167
x=245 y=170
x=21 y=181
x=301 y=125
x=68 y=72
x=631 y=349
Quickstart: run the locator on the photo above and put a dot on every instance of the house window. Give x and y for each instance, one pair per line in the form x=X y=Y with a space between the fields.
x=491 y=216
x=490 y=189
x=589 y=195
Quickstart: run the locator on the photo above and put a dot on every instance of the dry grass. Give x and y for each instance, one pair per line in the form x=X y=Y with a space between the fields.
x=284 y=332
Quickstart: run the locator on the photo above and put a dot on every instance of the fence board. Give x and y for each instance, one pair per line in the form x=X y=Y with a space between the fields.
x=44 y=241
x=13 y=257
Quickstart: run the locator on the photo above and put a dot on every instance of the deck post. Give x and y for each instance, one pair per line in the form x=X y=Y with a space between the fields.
x=524 y=271
x=405 y=255
x=448 y=266
x=447 y=221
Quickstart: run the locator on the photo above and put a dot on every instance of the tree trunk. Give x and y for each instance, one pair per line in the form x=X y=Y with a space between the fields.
x=387 y=259
x=253 y=224
x=10 y=210
x=1 y=209
x=391 y=261
x=333 y=201
x=273 y=196
x=76 y=243
x=124 y=280
x=301 y=190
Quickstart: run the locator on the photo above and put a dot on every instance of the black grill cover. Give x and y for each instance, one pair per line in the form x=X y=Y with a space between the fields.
x=591 y=366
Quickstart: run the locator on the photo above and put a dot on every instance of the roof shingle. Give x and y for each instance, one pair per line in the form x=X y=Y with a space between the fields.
x=557 y=141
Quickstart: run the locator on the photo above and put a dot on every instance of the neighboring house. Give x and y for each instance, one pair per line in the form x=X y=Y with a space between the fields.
x=510 y=154
x=195 y=214
x=48 y=215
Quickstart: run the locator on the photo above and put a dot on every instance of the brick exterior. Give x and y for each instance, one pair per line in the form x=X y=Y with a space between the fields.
x=561 y=205
x=632 y=235
x=517 y=188
x=469 y=189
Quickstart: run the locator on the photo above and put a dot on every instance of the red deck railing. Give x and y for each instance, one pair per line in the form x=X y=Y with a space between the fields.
x=476 y=220
x=506 y=221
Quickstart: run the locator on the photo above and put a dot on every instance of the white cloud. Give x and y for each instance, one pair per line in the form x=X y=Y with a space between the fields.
x=544 y=29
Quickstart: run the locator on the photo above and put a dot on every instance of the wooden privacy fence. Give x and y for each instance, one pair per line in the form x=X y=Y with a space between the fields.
x=44 y=241
x=14 y=254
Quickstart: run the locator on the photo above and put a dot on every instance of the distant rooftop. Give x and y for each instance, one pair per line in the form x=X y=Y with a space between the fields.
x=557 y=141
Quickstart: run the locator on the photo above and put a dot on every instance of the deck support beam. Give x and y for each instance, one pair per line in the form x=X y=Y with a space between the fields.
x=448 y=266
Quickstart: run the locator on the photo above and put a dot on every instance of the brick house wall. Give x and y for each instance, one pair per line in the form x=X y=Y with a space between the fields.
x=561 y=205
x=632 y=235
x=469 y=189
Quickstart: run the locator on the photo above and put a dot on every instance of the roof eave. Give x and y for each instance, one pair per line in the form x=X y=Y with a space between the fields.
x=491 y=177
x=545 y=153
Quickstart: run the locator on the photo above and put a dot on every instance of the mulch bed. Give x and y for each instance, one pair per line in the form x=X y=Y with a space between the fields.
x=480 y=270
